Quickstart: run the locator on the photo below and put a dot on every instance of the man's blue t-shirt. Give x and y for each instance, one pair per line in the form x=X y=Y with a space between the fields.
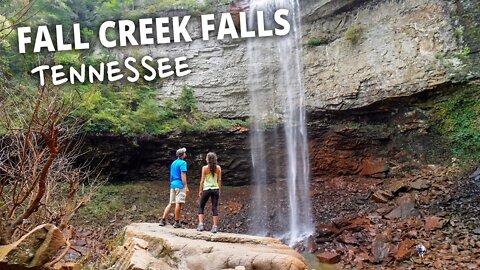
x=176 y=169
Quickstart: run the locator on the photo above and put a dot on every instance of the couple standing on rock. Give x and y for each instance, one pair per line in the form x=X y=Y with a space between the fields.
x=210 y=187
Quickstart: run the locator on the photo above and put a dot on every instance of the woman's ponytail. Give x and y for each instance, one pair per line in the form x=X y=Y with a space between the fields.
x=212 y=162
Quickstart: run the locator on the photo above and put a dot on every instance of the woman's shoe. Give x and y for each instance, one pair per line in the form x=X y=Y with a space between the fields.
x=200 y=227
x=214 y=229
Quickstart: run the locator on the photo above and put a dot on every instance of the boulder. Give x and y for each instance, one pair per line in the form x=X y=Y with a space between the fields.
x=149 y=246
x=381 y=196
x=328 y=257
x=405 y=249
x=380 y=248
x=405 y=208
x=373 y=167
x=433 y=223
x=33 y=250
x=420 y=184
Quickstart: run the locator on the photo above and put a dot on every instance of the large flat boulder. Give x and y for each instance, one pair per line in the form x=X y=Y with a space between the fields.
x=32 y=250
x=149 y=246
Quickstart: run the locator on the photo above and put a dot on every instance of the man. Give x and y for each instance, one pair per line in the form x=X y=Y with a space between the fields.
x=178 y=187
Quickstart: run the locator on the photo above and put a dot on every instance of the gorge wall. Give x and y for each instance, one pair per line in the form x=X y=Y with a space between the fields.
x=373 y=70
x=365 y=51
x=384 y=139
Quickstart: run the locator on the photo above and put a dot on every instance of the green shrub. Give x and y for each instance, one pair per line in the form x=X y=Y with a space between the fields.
x=458 y=120
x=317 y=41
x=187 y=101
x=353 y=34
x=67 y=58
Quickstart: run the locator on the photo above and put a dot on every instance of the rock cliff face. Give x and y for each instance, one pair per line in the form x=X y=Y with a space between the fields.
x=378 y=50
x=148 y=158
x=366 y=51
x=352 y=142
x=148 y=246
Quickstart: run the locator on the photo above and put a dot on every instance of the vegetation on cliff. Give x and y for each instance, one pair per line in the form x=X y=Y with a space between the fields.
x=457 y=118
x=114 y=108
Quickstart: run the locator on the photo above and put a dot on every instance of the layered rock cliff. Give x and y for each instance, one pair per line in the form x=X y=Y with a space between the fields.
x=373 y=65
x=365 y=51
x=148 y=246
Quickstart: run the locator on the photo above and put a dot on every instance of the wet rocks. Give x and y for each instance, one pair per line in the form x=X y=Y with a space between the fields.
x=476 y=175
x=328 y=257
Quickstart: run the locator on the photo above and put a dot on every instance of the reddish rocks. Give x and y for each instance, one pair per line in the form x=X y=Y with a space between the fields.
x=67 y=266
x=389 y=242
x=405 y=209
x=374 y=168
x=433 y=223
x=328 y=257
x=381 y=196
x=311 y=245
x=348 y=239
x=380 y=248
x=420 y=184
x=398 y=186
x=405 y=250
x=326 y=231
x=437 y=264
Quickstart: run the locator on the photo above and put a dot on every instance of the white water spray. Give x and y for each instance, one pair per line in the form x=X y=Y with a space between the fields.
x=280 y=208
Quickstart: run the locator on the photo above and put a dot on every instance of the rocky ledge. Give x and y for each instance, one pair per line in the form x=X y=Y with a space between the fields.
x=149 y=246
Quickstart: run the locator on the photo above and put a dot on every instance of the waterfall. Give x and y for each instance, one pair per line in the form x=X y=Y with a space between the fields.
x=281 y=204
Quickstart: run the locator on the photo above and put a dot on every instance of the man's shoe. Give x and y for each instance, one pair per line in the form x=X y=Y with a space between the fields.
x=163 y=222
x=214 y=229
x=200 y=227
x=177 y=224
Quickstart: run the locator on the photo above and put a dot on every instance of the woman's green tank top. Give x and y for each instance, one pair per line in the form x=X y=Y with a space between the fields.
x=210 y=181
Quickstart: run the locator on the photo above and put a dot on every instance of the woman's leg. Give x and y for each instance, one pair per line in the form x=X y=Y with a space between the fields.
x=215 y=197
x=203 y=202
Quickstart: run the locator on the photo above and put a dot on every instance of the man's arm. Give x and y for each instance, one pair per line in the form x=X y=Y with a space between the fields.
x=184 y=180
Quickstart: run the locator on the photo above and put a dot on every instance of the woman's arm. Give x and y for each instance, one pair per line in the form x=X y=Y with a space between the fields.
x=200 y=189
x=219 y=179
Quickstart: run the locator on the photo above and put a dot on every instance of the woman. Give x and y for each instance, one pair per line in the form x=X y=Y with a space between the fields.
x=210 y=187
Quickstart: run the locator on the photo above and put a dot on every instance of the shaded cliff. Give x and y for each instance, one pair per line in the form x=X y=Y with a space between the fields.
x=384 y=139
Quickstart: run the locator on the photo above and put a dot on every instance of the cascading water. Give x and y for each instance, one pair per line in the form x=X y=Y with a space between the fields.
x=281 y=208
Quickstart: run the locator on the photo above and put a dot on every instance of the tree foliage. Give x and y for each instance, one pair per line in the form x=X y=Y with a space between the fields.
x=37 y=161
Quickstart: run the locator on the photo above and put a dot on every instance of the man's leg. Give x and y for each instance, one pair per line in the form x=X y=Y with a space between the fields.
x=179 y=201
x=167 y=210
x=178 y=209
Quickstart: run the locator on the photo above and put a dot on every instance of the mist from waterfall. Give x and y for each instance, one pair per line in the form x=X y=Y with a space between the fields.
x=281 y=204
